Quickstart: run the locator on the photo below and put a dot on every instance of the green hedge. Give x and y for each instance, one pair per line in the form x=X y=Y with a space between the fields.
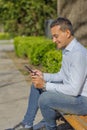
x=5 y=36
x=52 y=61
x=39 y=51
x=20 y=45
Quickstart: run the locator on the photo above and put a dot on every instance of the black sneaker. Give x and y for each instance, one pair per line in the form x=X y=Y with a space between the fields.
x=64 y=126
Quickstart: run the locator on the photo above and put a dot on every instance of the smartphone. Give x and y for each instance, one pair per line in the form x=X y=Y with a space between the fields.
x=29 y=69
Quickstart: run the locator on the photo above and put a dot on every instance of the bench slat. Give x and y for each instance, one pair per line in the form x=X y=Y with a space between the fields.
x=84 y=118
x=77 y=122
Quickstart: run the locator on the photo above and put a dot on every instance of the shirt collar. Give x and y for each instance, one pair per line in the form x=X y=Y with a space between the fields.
x=70 y=46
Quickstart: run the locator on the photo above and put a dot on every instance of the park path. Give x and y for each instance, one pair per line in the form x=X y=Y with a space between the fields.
x=14 y=91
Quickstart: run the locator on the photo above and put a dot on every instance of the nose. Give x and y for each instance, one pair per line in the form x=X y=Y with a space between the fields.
x=54 y=39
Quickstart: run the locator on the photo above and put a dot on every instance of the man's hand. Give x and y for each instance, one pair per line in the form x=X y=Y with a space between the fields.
x=37 y=79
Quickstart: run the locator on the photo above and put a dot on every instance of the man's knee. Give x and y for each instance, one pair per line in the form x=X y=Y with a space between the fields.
x=44 y=100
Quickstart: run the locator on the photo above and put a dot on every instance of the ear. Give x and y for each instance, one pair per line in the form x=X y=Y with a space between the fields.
x=68 y=33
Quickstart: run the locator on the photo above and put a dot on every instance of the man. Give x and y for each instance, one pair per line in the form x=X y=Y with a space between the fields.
x=65 y=91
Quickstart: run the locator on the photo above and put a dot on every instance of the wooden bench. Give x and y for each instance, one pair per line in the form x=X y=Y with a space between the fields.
x=77 y=122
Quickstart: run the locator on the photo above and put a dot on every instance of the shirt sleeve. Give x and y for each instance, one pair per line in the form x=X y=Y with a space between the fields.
x=56 y=77
x=74 y=85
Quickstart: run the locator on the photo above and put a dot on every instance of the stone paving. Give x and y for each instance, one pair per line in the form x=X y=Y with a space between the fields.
x=14 y=91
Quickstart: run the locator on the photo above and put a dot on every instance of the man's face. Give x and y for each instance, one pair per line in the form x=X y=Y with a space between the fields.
x=60 y=37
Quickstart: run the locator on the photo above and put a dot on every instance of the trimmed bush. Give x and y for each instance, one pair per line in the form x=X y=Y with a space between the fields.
x=39 y=51
x=52 y=61
x=5 y=36
x=32 y=47
x=21 y=45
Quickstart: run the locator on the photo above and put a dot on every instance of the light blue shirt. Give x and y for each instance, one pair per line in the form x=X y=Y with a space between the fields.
x=72 y=78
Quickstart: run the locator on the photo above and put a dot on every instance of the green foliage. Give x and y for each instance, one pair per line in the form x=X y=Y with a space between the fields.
x=5 y=36
x=32 y=47
x=40 y=51
x=26 y=17
x=52 y=61
x=21 y=44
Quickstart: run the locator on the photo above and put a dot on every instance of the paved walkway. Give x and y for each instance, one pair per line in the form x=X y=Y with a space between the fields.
x=14 y=91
